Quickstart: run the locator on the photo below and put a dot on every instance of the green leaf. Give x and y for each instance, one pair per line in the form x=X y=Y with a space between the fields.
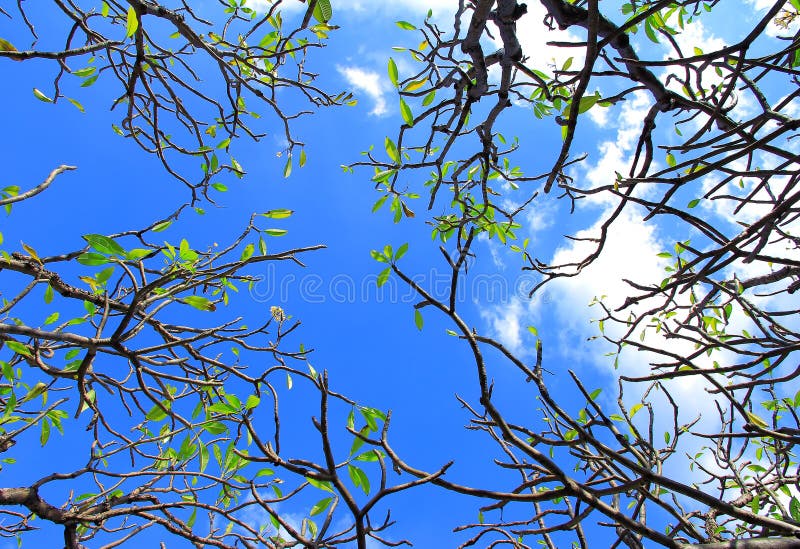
x=378 y=256
x=418 y=320
x=401 y=251
x=414 y=85
x=215 y=428
x=671 y=160
x=587 y=102
x=405 y=25
x=693 y=203
x=251 y=402
x=83 y=73
x=156 y=413
x=18 y=348
x=132 y=22
x=137 y=253
x=51 y=318
x=323 y=11
x=384 y=276
x=287 y=169
x=163 y=226
x=278 y=214
x=326 y=486
x=104 y=244
x=428 y=99
x=391 y=150
x=757 y=421
x=76 y=103
x=247 y=253
x=370 y=456
x=405 y=111
x=276 y=232
x=359 y=478
x=48 y=294
x=223 y=408
x=320 y=506
x=186 y=253
x=203 y=455
x=199 y=302
x=89 y=81
x=392 y=72
x=219 y=187
x=379 y=203
x=794 y=509
x=45 y=435
x=650 y=32
x=92 y=259
x=41 y=97
x=5 y=45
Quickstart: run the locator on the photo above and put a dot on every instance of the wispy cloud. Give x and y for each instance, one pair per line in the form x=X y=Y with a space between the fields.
x=406 y=8
x=505 y=323
x=368 y=82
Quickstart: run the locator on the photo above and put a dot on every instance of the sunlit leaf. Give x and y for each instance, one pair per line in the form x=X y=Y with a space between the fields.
x=405 y=111
x=132 y=22
x=199 y=302
x=393 y=75
x=323 y=11
x=41 y=97
x=320 y=506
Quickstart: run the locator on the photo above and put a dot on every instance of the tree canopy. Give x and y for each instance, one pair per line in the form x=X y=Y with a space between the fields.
x=186 y=418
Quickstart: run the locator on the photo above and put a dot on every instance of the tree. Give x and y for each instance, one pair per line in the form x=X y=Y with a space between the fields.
x=181 y=427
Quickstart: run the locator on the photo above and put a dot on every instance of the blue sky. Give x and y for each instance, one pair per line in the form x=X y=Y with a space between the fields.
x=365 y=337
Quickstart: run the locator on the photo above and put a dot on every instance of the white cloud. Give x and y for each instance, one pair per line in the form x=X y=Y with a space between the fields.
x=599 y=116
x=616 y=154
x=372 y=8
x=505 y=320
x=760 y=6
x=630 y=252
x=696 y=35
x=533 y=37
x=368 y=82
x=539 y=216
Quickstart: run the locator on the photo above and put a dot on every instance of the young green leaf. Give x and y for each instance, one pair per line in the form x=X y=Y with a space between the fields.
x=320 y=506
x=323 y=11
x=132 y=22
x=405 y=111
x=287 y=169
x=41 y=97
x=393 y=72
x=199 y=302
x=104 y=244
x=391 y=150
